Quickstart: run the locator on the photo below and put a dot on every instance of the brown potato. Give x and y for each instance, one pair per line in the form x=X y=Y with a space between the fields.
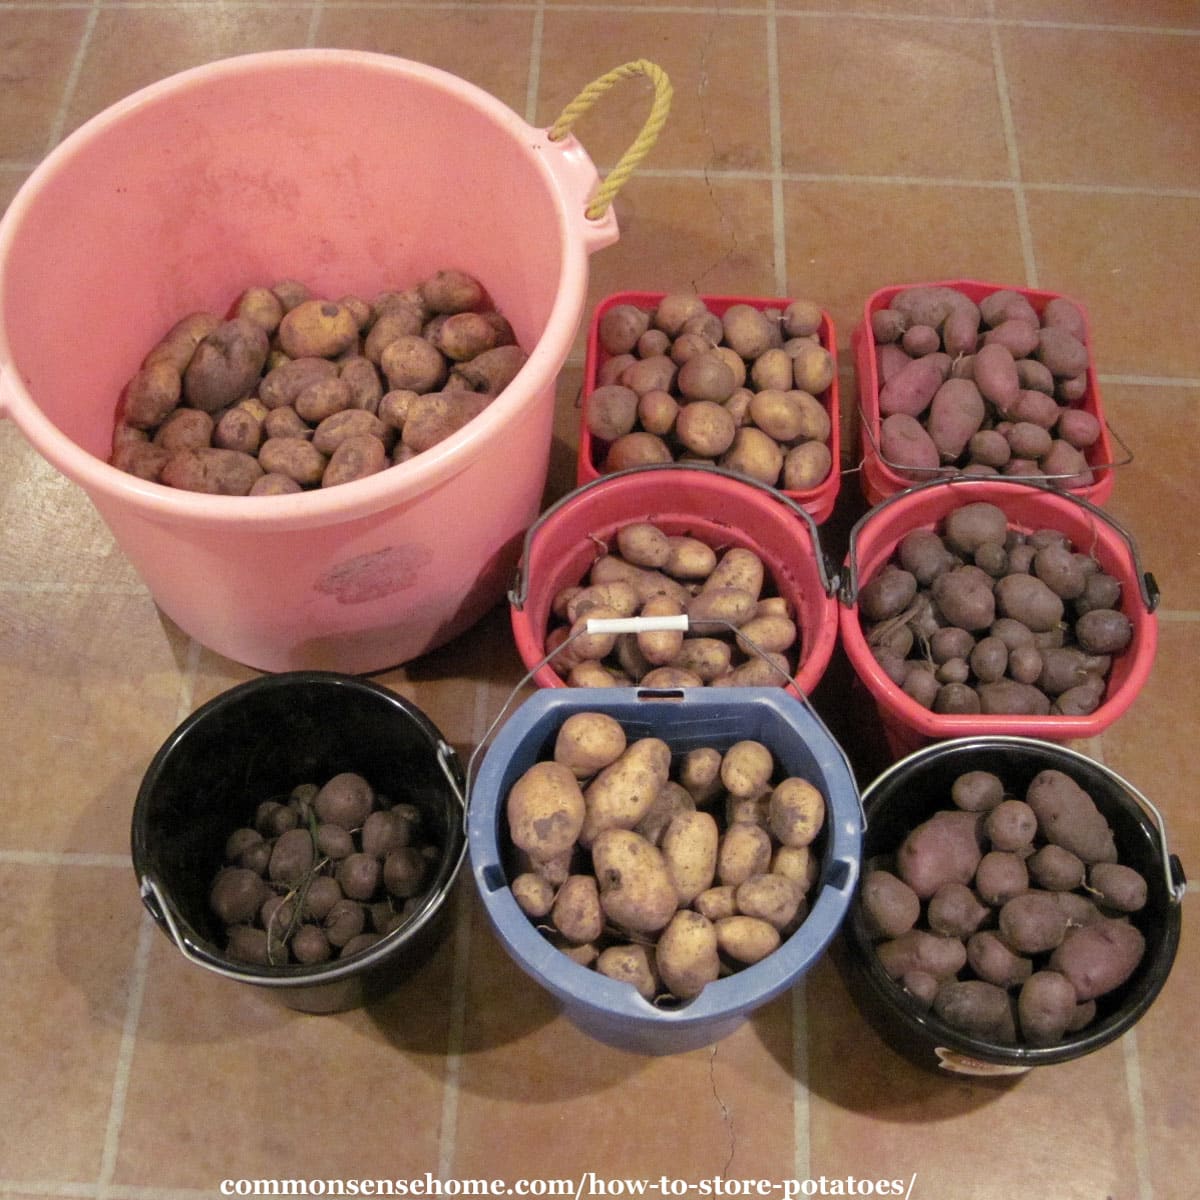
x=687 y=954
x=545 y=810
x=211 y=470
x=226 y=365
x=636 y=892
x=890 y=906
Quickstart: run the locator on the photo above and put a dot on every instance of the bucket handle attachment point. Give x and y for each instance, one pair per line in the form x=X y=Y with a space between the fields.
x=642 y=144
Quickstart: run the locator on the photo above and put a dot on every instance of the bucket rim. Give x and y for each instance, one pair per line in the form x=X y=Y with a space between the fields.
x=1018 y=1057
x=160 y=907
x=385 y=488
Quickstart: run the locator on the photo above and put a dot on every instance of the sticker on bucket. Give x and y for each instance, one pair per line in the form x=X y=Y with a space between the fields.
x=375 y=575
x=964 y=1064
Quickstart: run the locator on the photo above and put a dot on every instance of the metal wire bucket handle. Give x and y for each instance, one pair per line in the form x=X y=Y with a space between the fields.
x=1147 y=585
x=520 y=589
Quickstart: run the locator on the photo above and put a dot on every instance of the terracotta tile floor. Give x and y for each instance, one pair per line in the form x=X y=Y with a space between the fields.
x=817 y=149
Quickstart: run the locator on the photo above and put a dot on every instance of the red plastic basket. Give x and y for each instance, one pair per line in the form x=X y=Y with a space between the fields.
x=720 y=509
x=879 y=479
x=818 y=502
x=873 y=541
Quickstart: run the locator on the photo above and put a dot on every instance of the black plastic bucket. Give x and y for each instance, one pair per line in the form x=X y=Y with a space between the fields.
x=911 y=791
x=261 y=739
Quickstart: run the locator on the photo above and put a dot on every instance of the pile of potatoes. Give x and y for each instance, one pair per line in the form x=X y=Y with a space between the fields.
x=739 y=391
x=987 y=388
x=665 y=872
x=291 y=392
x=1008 y=917
x=752 y=639
x=981 y=617
x=322 y=873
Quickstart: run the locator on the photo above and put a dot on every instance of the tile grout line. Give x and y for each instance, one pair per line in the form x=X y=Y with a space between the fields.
x=460 y=976
x=1004 y=97
x=314 y=23
x=534 y=82
x=775 y=124
x=124 y=1067
x=801 y=1096
x=85 y=40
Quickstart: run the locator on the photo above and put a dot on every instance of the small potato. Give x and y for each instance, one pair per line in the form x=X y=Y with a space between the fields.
x=706 y=658
x=956 y=414
x=1011 y=825
x=1099 y=957
x=911 y=390
x=293 y=457
x=632 y=964
x=746 y=768
x=152 y=395
x=610 y=412
x=689 y=848
x=740 y=568
x=587 y=742
x=1117 y=887
x=700 y=773
x=576 y=912
x=185 y=429
x=1103 y=631
x=906 y=445
x=1068 y=817
x=180 y=342
x=976 y=1007
x=636 y=449
x=755 y=454
x=945 y=848
x=620 y=327
x=1027 y=599
x=813 y=369
x=773 y=898
x=211 y=470
x=622 y=793
x=806 y=466
x=745 y=850
x=1061 y=351
x=995 y=374
x=1001 y=875
x=747 y=331
x=355 y=457
x=434 y=416
x=991 y=959
x=920 y=950
x=796 y=812
x=687 y=955
x=1032 y=923
x=410 y=363
x=1045 y=1007
x=317 y=329
x=644 y=545
x=689 y=558
x=545 y=810
x=225 y=366
x=236 y=895
x=887 y=593
x=955 y=911
x=773 y=634
x=721 y=606
x=1055 y=869
x=673 y=799
x=705 y=377
x=636 y=892
x=890 y=906
x=965 y=597
x=746 y=939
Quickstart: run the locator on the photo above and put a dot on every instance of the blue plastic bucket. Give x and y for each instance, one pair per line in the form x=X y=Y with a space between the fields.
x=611 y=1011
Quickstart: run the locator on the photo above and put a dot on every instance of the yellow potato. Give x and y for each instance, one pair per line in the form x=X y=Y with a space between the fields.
x=772 y=898
x=545 y=810
x=632 y=964
x=622 y=793
x=721 y=606
x=745 y=850
x=689 y=847
x=643 y=544
x=798 y=863
x=533 y=894
x=806 y=466
x=746 y=939
x=576 y=912
x=619 y=596
x=755 y=454
x=717 y=902
x=700 y=772
x=813 y=368
x=588 y=742
x=660 y=646
x=318 y=329
x=704 y=657
x=671 y=800
x=670 y=678
x=772 y=633
x=739 y=568
x=689 y=558
x=686 y=954
x=746 y=768
x=636 y=892
x=797 y=812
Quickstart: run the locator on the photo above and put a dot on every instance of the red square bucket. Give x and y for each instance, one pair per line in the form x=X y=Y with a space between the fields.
x=818 y=501
x=880 y=478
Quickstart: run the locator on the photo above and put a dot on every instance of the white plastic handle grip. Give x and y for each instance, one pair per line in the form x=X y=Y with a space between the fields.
x=637 y=624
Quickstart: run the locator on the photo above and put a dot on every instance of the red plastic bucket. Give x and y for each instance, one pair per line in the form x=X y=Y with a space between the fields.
x=817 y=501
x=879 y=478
x=873 y=540
x=720 y=509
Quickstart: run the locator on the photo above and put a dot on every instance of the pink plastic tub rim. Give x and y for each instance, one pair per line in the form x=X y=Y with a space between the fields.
x=616 y=500
x=909 y=725
x=878 y=479
x=135 y=219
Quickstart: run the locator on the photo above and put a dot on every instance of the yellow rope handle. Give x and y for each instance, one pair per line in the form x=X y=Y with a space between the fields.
x=643 y=143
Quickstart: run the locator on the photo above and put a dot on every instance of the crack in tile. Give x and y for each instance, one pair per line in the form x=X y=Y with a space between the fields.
x=726 y=1115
